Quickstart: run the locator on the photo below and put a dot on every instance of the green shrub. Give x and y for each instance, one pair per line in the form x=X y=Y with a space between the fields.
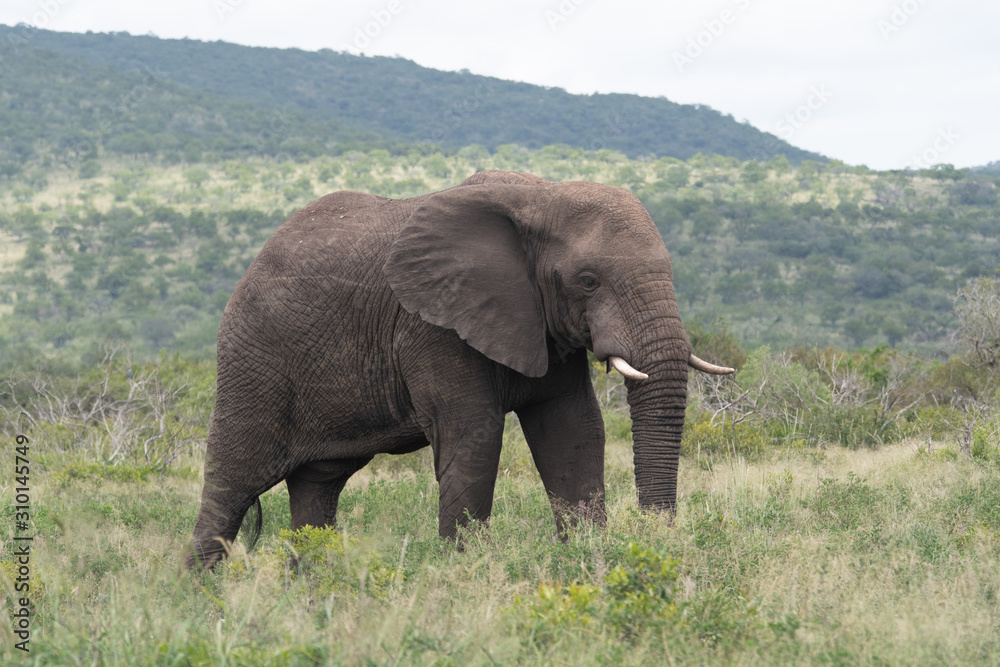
x=985 y=445
x=641 y=591
x=934 y=422
x=338 y=564
x=703 y=437
x=853 y=426
x=640 y=595
x=556 y=609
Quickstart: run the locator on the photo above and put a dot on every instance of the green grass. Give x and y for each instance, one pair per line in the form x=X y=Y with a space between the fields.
x=885 y=556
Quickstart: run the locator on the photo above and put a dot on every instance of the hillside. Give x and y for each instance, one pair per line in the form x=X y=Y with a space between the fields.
x=382 y=100
x=79 y=110
x=138 y=251
x=139 y=177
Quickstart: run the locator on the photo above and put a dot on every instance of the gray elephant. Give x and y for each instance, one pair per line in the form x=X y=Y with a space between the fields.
x=368 y=325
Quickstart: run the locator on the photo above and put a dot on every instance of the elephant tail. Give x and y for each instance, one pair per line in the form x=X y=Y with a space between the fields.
x=253 y=524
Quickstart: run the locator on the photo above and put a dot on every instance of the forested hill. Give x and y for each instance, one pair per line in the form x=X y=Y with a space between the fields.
x=74 y=110
x=394 y=99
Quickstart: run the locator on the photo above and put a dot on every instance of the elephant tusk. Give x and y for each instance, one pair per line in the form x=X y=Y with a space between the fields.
x=705 y=367
x=625 y=369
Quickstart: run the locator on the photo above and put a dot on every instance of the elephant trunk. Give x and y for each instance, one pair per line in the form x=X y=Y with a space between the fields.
x=657 y=406
x=656 y=376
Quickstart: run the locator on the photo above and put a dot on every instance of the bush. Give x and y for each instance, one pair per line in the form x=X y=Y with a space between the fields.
x=703 y=436
x=984 y=445
x=813 y=396
x=641 y=591
x=640 y=595
x=138 y=416
x=338 y=564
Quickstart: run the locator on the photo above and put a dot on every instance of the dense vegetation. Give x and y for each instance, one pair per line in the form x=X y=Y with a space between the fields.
x=80 y=110
x=224 y=99
x=139 y=177
x=147 y=252
x=833 y=508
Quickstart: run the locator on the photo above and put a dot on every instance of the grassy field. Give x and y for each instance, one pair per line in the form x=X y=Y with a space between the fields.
x=810 y=556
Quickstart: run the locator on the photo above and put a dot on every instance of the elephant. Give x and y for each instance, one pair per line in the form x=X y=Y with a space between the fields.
x=368 y=325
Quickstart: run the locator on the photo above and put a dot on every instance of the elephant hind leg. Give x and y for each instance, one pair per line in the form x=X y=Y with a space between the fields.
x=219 y=520
x=314 y=490
x=225 y=500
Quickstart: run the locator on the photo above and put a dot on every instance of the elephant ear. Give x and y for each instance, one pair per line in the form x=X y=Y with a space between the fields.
x=461 y=263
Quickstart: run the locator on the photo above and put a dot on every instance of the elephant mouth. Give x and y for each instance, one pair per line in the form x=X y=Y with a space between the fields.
x=582 y=336
x=612 y=352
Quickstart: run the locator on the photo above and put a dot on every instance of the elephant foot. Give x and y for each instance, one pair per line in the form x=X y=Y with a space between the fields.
x=205 y=557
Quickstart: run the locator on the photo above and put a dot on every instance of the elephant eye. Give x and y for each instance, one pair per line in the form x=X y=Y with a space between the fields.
x=589 y=282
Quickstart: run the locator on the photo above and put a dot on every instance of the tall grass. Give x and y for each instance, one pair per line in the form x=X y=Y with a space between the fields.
x=838 y=556
x=790 y=545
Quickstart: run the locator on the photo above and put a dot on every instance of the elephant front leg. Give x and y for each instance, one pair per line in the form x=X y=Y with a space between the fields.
x=466 y=459
x=566 y=438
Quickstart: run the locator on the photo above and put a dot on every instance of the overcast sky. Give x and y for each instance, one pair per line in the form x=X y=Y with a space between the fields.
x=886 y=83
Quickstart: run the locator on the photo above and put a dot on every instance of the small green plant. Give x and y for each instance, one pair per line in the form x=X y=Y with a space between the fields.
x=984 y=445
x=640 y=595
x=556 y=609
x=11 y=572
x=640 y=591
x=338 y=564
x=717 y=617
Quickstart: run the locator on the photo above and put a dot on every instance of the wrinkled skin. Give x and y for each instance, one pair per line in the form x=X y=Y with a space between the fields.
x=368 y=325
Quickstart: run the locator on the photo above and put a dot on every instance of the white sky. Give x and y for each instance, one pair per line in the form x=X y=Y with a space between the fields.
x=891 y=83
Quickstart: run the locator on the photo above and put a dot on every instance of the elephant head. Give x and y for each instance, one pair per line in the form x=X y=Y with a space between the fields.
x=527 y=271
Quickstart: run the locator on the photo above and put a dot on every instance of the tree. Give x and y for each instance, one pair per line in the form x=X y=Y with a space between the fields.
x=158 y=331
x=737 y=288
x=858 y=330
x=894 y=331
x=753 y=172
x=437 y=167
x=196 y=176
x=833 y=312
x=706 y=223
x=978 y=308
